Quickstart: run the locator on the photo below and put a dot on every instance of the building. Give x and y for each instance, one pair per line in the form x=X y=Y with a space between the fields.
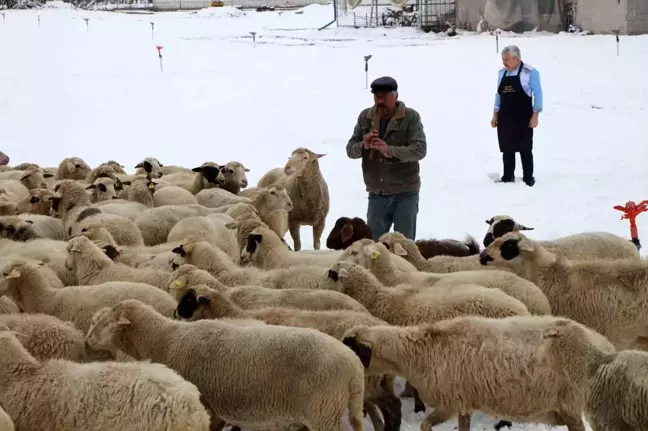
x=609 y=16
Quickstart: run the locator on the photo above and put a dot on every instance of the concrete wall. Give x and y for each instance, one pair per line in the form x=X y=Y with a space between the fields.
x=637 y=17
x=602 y=16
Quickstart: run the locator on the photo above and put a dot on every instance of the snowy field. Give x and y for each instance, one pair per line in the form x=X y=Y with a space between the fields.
x=98 y=93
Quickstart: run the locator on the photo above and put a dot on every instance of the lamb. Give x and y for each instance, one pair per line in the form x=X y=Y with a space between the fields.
x=586 y=245
x=102 y=189
x=46 y=337
x=6 y=424
x=211 y=228
x=31 y=292
x=248 y=297
x=203 y=255
x=93 y=267
x=288 y=384
x=72 y=168
x=137 y=396
x=156 y=223
x=376 y=258
x=202 y=177
x=72 y=205
x=404 y=247
x=613 y=384
x=26 y=227
x=309 y=192
x=38 y=201
x=201 y=302
x=347 y=231
x=415 y=305
x=609 y=296
x=473 y=363
x=235 y=178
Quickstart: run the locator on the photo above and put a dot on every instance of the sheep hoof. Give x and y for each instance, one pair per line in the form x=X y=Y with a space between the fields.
x=501 y=424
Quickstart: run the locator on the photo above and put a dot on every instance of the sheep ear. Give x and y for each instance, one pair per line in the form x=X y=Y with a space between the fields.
x=363 y=352
x=15 y=273
x=399 y=250
x=125 y=183
x=371 y=251
x=180 y=250
x=139 y=165
x=318 y=156
x=122 y=321
x=203 y=300
x=246 y=170
x=91 y=187
x=232 y=225
x=550 y=333
x=178 y=284
x=111 y=251
x=347 y=232
x=519 y=226
x=489 y=222
x=198 y=169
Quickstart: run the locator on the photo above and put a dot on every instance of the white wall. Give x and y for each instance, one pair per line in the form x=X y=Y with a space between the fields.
x=602 y=16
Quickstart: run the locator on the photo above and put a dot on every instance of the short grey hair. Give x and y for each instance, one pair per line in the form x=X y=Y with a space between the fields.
x=513 y=50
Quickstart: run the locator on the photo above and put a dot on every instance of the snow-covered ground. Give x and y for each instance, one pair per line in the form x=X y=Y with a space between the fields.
x=98 y=93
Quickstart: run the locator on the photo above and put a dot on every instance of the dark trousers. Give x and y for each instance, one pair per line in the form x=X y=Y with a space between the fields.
x=508 y=159
x=401 y=210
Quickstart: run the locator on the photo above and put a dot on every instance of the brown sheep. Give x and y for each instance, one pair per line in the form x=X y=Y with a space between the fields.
x=347 y=231
x=448 y=247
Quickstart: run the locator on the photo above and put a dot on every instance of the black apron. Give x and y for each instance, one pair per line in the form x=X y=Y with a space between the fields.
x=516 y=109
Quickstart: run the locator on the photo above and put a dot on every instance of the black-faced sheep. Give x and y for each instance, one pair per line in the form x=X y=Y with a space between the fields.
x=347 y=231
x=586 y=245
x=609 y=296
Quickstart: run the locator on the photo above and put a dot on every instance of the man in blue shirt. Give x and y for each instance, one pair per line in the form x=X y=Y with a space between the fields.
x=518 y=103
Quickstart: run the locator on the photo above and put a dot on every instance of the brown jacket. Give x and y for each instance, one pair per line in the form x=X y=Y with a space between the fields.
x=406 y=140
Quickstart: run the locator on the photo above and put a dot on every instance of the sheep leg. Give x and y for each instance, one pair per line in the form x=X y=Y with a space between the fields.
x=408 y=392
x=464 y=422
x=437 y=417
x=318 y=230
x=390 y=407
x=294 y=226
x=573 y=422
x=376 y=421
x=419 y=406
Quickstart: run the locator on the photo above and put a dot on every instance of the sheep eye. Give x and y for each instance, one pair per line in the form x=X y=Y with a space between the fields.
x=34 y=200
x=386 y=245
x=354 y=253
x=272 y=193
x=84 y=230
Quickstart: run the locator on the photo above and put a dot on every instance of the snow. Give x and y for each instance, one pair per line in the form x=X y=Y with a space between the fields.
x=98 y=93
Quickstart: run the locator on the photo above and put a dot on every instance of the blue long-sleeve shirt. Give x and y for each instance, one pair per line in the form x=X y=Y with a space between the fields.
x=530 y=80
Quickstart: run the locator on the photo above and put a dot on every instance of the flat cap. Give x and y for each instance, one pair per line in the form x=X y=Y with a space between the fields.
x=384 y=84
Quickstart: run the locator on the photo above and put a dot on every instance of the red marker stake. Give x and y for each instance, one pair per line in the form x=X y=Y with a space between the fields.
x=159 y=49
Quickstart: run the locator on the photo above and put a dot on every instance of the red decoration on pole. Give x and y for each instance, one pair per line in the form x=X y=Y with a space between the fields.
x=630 y=212
x=159 y=50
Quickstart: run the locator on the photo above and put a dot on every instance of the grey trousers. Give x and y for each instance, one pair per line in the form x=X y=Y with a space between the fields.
x=399 y=210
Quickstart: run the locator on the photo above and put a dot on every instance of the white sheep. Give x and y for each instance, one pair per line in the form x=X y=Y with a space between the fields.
x=137 y=396
x=72 y=168
x=46 y=337
x=172 y=195
x=13 y=192
x=613 y=384
x=150 y=166
x=201 y=302
x=376 y=258
x=407 y=249
x=216 y=198
x=31 y=292
x=235 y=178
x=6 y=424
x=31 y=178
x=609 y=296
x=7 y=306
x=25 y=227
x=38 y=201
x=248 y=297
x=307 y=189
x=102 y=189
x=53 y=253
x=195 y=251
x=156 y=223
x=92 y=266
x=472 y=363
x=123 y=208
x=414 y=305
x=206 y=176
x=213 y=229
x=284 y=373
x=586 y=245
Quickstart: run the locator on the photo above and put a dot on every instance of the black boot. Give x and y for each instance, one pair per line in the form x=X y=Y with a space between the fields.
x=530 y=182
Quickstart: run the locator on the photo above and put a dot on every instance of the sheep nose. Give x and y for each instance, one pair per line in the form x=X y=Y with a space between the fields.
x=484 y=258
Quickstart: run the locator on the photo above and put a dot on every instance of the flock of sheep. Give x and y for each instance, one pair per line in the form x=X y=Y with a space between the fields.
x=169 y=300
